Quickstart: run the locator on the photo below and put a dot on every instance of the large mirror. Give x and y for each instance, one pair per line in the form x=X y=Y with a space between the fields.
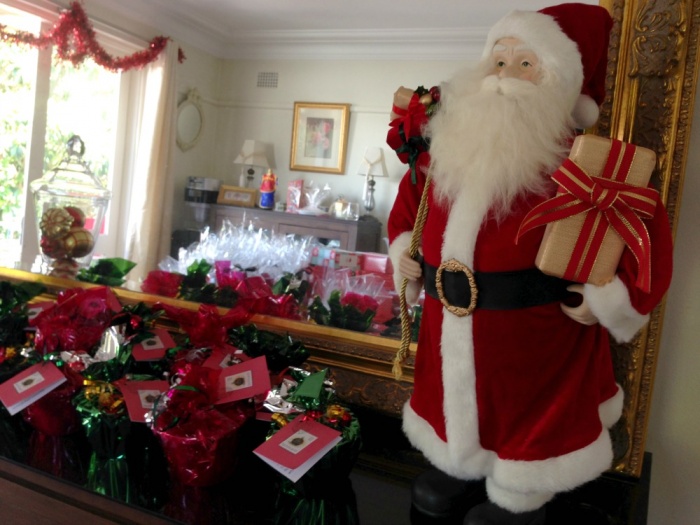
x=651 y=86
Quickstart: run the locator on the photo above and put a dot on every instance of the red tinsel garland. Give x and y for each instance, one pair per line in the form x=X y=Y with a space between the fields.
x=75 y=40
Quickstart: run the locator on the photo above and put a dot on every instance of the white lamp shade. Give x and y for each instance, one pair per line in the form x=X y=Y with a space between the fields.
x=373 y=163
x=252 y=154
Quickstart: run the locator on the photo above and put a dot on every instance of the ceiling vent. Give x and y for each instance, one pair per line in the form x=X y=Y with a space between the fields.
x=267 y=80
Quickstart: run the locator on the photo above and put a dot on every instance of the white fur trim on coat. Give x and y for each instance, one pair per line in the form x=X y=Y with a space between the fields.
x=541 y=477
x=611 y=304
x=516 y=501
x=397 y=248
x=611 y=410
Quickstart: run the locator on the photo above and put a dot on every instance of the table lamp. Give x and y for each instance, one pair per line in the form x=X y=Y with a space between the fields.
x=252 y=154
x=372 y=166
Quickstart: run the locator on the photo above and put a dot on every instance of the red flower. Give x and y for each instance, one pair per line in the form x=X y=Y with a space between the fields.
x=163 y=283
x=361 y=302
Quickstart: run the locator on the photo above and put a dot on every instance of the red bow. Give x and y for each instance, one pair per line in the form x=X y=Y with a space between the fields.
x=621 y=205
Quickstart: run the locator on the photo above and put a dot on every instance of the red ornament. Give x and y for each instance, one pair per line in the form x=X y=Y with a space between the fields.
x=52 y=247
x=77 y=214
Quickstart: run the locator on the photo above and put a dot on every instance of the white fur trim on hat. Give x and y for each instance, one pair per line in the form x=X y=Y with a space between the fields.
x=585 y=112
x=558 y=54
x=611 y=304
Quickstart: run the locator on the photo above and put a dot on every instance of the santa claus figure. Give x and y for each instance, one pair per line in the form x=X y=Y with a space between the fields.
x=519 y=391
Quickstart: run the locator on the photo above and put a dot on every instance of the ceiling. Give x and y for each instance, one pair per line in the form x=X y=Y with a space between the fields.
x=441 y=29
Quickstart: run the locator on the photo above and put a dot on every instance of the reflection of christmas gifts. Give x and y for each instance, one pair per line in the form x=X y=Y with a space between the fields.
x=350 y=260
x=332 y=258
x=376 y=263
x=598 y=208
x=295 y=196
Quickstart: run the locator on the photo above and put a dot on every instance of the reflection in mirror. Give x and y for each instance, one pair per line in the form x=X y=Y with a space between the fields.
x=190 y=121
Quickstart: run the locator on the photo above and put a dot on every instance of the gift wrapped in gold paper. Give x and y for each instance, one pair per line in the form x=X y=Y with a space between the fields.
x=597 y=211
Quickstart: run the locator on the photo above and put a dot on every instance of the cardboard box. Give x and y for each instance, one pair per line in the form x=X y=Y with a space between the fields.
x=237 y=196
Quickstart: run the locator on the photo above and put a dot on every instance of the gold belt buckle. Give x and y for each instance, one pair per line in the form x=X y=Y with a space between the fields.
x=453 y=265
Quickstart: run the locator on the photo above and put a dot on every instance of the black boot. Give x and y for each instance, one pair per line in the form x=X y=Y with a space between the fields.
x=437 y=495
x=489 y=513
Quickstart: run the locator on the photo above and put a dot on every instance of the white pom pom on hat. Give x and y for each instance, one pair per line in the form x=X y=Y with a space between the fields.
x=571 y=41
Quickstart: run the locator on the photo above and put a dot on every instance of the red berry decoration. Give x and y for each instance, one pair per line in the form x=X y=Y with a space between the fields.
x=435 y=93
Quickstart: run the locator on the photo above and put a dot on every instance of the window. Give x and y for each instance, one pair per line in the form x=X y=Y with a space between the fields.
x=43 y=103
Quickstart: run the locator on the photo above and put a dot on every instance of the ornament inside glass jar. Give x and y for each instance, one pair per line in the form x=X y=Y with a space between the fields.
x=70 y=206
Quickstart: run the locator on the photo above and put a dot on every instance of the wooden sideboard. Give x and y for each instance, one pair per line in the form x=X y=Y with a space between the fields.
x=362 y=235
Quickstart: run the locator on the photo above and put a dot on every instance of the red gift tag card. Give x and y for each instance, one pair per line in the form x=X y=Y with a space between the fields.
x=297 y=447
x=153 y=348
x=29 y=386
x=140 y=396
x=223 y=357
x=243 y=380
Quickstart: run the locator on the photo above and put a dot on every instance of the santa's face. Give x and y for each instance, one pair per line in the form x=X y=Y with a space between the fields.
x=512 y=58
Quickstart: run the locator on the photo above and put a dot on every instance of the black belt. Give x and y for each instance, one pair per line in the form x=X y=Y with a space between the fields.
x=455 y=286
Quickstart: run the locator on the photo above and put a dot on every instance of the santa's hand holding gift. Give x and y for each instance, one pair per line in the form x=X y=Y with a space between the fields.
x=513 y=382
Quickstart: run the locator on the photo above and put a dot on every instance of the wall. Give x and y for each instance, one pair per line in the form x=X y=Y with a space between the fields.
x=244 y=111
x=675 y=417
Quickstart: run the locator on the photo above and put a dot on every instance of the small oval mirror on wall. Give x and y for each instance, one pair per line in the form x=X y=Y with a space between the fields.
x=190 y=120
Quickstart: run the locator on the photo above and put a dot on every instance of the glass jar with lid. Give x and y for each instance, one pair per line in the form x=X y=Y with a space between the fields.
x=70 y=206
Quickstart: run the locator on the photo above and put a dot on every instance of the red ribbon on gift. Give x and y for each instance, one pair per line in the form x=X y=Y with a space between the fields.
x=606 y=201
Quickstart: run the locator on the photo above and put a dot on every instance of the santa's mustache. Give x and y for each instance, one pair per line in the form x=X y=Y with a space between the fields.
x=509 y=87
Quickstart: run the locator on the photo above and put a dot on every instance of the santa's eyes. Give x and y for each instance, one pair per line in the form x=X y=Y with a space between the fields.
x=524 y=64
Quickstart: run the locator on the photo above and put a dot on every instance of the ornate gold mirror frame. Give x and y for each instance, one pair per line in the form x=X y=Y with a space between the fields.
x=652 y=76
x=651 y=86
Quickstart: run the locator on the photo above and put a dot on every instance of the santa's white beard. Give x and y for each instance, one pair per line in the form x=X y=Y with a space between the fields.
x=495 y=139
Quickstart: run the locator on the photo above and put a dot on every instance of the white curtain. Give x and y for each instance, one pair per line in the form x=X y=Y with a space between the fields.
x=150 y=195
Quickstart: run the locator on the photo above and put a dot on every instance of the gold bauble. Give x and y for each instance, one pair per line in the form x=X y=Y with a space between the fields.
x=78 y=242
x=55 y=222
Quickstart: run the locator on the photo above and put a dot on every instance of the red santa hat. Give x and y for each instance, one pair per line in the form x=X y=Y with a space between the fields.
x=571 y=41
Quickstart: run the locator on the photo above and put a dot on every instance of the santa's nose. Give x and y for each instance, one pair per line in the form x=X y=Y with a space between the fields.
x=509 y=71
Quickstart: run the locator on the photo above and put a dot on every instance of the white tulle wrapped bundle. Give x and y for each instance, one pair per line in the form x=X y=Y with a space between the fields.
x=256 y=251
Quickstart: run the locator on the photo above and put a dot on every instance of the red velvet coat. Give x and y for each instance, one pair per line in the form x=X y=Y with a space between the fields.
x=523 y=397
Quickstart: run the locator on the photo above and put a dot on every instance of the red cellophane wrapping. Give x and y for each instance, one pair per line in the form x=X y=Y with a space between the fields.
x=199 y=440
x=54 y=414
x=602 y=197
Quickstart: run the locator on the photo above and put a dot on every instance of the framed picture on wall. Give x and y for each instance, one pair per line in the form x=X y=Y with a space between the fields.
x=319 y=137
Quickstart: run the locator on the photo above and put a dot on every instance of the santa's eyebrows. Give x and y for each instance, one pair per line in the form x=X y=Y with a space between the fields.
x=499 y=48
